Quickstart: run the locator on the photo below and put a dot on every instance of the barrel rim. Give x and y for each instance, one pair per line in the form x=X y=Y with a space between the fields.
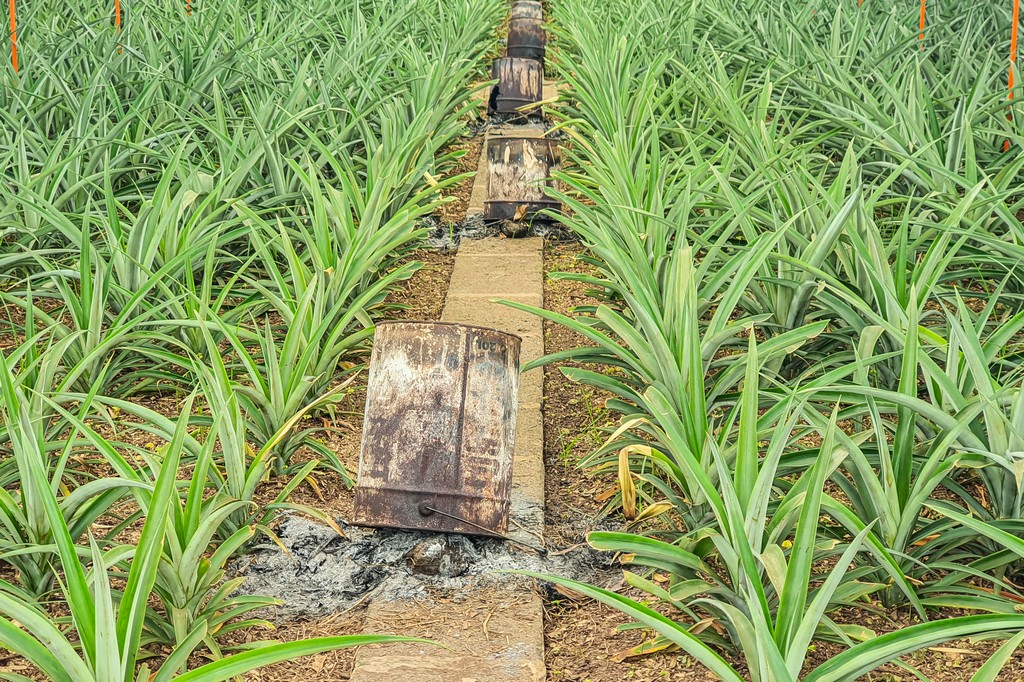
x=536 y=62
x=530 y=202
x=525 y=102
x=519 y=138
x=450 y=324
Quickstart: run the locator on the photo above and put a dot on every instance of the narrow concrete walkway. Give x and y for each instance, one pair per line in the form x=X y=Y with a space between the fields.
x=496 y=633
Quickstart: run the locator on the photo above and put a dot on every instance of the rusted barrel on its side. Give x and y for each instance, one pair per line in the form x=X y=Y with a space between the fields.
x=526 y=38
x=439 y=430
x=527 y=9
x=520 y=82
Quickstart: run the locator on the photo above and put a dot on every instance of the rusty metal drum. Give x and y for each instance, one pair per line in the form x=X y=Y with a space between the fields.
x=439 y=430
x=518 y=172
x=526 y=39
x=527 y=9
x=520 y=83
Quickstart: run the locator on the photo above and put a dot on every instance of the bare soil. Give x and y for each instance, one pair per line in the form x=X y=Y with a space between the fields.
x=454 y=211
x=333 y=665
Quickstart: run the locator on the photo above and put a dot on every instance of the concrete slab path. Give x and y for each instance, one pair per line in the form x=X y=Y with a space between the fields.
x=496 y=633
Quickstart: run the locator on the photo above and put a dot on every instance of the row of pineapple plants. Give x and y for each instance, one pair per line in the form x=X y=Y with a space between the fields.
x=805 y=230
x=213 y=207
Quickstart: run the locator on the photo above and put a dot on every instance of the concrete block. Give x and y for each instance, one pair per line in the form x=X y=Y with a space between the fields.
x=493 y=635
x=528 y=246
x=489 y=275
x=473 y=309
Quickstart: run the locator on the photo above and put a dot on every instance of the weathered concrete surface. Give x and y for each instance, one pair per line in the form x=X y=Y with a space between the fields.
x=493 y=633
x=526 y=518
x=511 y=269
x=553 y=89
x=475 y=274
x=475 y=210
x=492 y=637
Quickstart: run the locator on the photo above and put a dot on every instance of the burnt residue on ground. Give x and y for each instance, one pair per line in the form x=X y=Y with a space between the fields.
x=321 y=572
x=446 y=234
x=495 y=120
x=510 y=124
x=448 y=237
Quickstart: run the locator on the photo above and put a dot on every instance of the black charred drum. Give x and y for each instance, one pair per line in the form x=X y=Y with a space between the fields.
x=518 y=171
x=526 y=38
x=439 y=430
x=520 y=84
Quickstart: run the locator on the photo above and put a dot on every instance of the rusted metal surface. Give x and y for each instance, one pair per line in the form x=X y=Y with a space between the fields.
x=527 y=9
x=520 y=83
x=439 y=429
x=526 y=38
x=518 y=170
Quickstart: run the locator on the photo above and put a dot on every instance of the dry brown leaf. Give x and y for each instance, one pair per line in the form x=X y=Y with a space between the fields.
x=570 y=593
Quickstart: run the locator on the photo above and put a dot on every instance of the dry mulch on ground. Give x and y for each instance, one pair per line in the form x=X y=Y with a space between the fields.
x=423 y=295
x=454 y=211
x=332 y=665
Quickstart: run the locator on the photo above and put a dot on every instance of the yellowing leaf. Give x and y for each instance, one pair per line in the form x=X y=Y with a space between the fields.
x=654 y=510
x=626 y=485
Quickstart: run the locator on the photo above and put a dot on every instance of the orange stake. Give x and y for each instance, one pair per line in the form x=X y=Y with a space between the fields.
x=1013 y=63
x=14 y=35
x=117 y=23
x=188 y=7
x=921 y=35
